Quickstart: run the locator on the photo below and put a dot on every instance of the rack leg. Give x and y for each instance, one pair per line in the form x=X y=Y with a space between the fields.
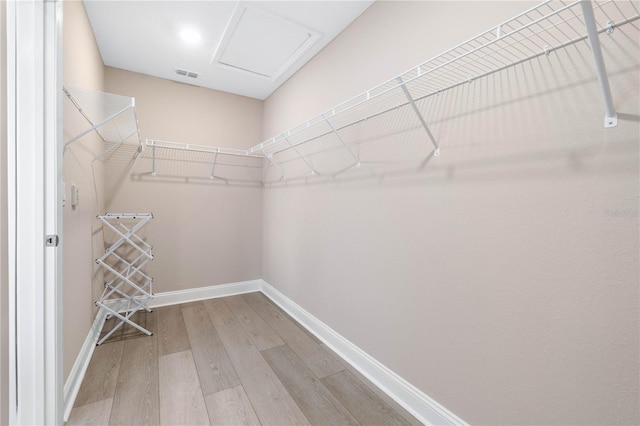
x=610 y=118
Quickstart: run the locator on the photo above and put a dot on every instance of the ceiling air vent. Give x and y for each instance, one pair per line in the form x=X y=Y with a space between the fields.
x=186 y=73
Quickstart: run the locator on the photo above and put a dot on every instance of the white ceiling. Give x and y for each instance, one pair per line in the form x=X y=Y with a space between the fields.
x=247 y=47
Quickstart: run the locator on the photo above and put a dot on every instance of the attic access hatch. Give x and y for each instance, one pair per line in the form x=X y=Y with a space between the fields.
x=261 y=44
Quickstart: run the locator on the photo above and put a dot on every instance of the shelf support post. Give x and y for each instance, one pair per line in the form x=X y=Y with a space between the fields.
x=153 y=159
x=333 y=129
x=420 y=117
x=313 y=172
x=610 y=118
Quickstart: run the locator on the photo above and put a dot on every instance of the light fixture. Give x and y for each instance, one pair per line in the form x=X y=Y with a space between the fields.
x=190 y=36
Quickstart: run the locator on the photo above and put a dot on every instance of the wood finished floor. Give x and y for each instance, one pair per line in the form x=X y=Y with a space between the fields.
x=238 y=360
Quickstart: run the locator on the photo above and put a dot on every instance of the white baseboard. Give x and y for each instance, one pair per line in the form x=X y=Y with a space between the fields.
x=203 y=293
x=72 y=385
x=408 y=396
x=176 y=297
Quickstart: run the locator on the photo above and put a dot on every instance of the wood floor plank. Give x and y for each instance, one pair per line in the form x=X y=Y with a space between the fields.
x=215 y=370
x=259 y=332
x=172 y=334
x=102 y=374
x=136 y=397
x=93 y=414
x=386 y=398
x=363 y=403
x=231 y=407
x=272 y=403
x=316 y=402
x=318 y=360
x=181 y=399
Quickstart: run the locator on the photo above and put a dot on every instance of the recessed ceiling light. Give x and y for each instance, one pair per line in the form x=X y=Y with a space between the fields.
x=191 y=36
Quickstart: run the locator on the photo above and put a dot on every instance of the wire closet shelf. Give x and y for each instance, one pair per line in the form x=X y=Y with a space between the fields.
x=112 y=118
x=552 y=25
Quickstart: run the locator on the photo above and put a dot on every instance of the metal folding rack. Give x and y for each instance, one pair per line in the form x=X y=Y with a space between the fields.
x=548 y=27
x=130 y=288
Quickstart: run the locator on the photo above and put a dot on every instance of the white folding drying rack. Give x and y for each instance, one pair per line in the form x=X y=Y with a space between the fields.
x=125 y=259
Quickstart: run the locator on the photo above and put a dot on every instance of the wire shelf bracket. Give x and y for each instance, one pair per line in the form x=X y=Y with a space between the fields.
x=420 y=117
x=335 y=132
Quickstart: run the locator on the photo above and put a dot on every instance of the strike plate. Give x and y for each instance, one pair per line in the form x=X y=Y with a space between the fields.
x=51 y=240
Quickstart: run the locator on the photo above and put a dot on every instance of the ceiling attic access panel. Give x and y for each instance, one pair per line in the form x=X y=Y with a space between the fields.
x=261 y=44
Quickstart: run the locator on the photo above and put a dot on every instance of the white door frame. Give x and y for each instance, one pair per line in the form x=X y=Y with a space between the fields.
x=34 y=179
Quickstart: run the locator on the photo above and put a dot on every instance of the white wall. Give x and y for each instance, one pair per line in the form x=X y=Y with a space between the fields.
x=501 y=280
x=204 y=232
x=82 y=238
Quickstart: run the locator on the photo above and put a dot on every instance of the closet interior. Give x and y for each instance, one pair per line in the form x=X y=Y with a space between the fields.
x=459 y=235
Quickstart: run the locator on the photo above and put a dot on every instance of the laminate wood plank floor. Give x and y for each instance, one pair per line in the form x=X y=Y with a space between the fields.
x=231 y=407
x=228 y=361
x=308 y=349
x=136 y=399
x=212 y=362
x=92 y=414
x=315 y=401
x=262 y=336
x=271 y=401
x=181 y=399
x=172 y=333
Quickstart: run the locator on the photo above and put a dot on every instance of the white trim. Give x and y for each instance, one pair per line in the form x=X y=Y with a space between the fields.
x=53 y=264
x=192 y=294
x=203 y=293
x=74 y=381
x=35 y=361
x=408 y=396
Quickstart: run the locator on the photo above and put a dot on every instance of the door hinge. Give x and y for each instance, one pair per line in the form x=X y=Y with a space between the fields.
x=51 y=240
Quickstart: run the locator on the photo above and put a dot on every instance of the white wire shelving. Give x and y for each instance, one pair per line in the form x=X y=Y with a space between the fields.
x=111 y=117
x=175 y=159
x=539 y=31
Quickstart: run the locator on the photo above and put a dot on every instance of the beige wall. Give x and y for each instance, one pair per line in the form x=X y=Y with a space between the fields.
x=203 y=232
x=502 y=280
x=82 y=238
x=4 y=307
